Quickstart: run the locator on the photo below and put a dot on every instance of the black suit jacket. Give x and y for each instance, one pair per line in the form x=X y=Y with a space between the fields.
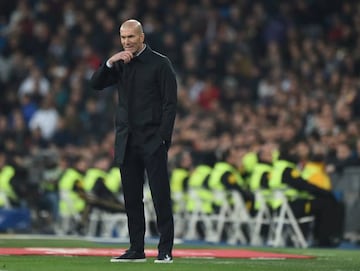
x=146 y=108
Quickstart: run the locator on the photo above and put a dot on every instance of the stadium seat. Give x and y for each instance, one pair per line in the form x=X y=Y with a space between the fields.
x=239 y=219
x=150 y=215
x=215 y=223
x=179 y=214
x=114 y=225
x=15 y=219
x=285 y=226
x=106 y=224
x=260 y=219
x=194 y=217
x=4 y=200
x=95 y=219
x=69 y=216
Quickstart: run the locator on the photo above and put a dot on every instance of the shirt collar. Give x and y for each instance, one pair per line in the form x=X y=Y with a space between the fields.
x=142 y=50
x=143 y=54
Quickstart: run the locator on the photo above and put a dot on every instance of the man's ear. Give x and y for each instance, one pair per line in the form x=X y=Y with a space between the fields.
x=142 y=37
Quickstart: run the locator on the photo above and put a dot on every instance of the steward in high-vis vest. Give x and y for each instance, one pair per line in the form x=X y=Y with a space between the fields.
x=13 y=185
x=71 y=189
x=225 y=177
x=113 y=180
x=105 y=198
x=102 y=186
x=314 y=172
x=259 y=179
x=91 y=176
x=248 y=161
x=7 y=193
x=179 y=181
x=49 y=200
x=200 y=197
x=307 y=199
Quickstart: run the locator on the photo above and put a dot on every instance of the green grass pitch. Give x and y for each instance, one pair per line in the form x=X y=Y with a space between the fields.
x=326 y=259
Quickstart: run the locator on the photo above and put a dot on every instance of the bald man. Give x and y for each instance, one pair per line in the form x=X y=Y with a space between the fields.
x=145 y=115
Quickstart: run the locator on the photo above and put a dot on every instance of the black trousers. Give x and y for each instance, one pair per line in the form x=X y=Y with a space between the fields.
x=329 y=219
x=132 y=176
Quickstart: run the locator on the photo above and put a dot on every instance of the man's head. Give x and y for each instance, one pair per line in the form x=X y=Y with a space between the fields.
x=132 y=36
x=266 y=152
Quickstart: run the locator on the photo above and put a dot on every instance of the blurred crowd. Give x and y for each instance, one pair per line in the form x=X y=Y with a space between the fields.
x=249 y=73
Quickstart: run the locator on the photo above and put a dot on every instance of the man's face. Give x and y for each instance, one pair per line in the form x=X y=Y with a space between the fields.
x=131 y=39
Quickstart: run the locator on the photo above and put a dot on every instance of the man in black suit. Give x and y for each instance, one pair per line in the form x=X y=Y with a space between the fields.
x=145 y=115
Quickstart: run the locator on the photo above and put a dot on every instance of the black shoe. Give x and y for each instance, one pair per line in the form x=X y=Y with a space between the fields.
x=129 y=256
x=164 y=258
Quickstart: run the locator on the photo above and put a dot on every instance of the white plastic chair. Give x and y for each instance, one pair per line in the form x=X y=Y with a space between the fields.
x=69 y=216
x=240 y=220
x=215 y=223
x=285 y=226
x=262 y=217
x=179 y=200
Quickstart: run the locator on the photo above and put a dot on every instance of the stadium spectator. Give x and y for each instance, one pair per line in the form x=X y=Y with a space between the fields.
x=45 y=118
x=35 y=85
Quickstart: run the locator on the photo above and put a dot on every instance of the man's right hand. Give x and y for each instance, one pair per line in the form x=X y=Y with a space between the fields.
x=125 y=56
